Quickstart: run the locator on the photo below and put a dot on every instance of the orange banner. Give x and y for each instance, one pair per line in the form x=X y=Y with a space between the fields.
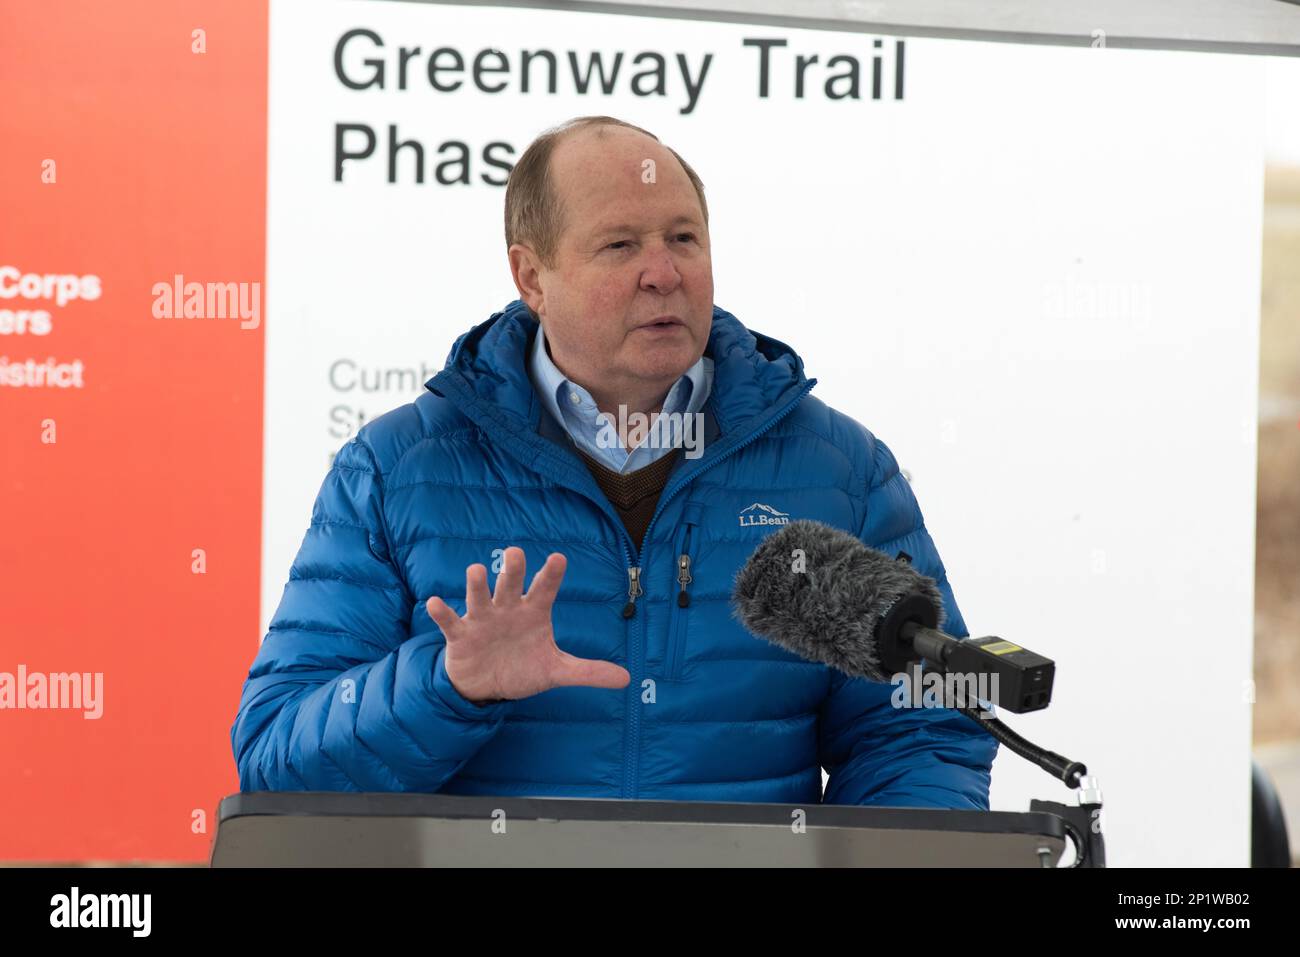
x=132 y=167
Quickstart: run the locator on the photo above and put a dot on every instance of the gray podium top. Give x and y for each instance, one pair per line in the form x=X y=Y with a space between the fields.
x=319 y=829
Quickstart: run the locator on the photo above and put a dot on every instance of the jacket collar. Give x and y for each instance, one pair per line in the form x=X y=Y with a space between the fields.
x=488 y=366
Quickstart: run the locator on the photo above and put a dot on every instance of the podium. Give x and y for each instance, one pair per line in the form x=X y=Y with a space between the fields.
x=349 y=829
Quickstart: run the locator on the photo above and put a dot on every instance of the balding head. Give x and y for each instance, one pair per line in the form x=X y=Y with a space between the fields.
x=534 y=214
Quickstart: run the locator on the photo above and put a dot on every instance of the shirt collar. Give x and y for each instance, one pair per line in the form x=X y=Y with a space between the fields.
x=688 y=393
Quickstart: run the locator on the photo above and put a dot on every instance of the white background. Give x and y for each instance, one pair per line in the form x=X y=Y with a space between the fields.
x=1036 y=278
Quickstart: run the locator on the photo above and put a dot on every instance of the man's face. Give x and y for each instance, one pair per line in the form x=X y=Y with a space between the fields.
x=631 y=252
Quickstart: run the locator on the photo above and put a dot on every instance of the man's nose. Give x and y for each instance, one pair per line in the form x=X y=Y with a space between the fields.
x=660 y=273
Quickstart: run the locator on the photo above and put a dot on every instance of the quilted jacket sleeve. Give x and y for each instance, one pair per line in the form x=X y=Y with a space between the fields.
x=340 y=697
x=873 y=752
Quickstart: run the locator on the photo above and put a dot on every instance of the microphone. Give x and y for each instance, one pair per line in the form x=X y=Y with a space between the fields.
x=821 y=594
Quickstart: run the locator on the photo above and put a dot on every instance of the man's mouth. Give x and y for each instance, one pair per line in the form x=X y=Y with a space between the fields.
x=664 y=322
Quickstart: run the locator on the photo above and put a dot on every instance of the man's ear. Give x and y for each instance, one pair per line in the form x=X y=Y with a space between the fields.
x=525 y=269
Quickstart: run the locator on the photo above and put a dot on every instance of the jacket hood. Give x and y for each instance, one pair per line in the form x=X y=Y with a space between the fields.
x=752 y=373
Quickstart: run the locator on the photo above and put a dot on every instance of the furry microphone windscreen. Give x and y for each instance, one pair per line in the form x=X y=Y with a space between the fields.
x=819 y=593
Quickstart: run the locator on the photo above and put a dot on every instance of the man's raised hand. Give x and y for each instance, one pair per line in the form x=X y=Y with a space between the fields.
x=503 y=647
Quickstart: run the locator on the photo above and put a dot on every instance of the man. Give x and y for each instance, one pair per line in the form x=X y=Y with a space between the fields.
x=391 y=666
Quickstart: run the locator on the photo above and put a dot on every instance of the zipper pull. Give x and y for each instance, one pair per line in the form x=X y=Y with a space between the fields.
x=683 y=579
x=633 y=590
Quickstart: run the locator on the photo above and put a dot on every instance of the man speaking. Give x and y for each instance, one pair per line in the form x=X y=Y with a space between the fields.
x=394 y=663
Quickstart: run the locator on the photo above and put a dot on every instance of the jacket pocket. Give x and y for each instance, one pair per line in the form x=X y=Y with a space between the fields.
x=685 y=573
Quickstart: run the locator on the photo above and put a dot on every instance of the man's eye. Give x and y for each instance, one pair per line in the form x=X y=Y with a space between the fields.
x=687 y=236
x=614 y=245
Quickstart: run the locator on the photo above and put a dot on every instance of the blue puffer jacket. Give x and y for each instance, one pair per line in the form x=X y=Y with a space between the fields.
x=349 y=691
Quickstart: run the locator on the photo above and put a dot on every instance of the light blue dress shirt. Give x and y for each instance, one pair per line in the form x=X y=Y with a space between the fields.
x=575 y=410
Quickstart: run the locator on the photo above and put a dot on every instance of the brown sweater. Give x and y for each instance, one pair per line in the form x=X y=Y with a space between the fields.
x=634 y=495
